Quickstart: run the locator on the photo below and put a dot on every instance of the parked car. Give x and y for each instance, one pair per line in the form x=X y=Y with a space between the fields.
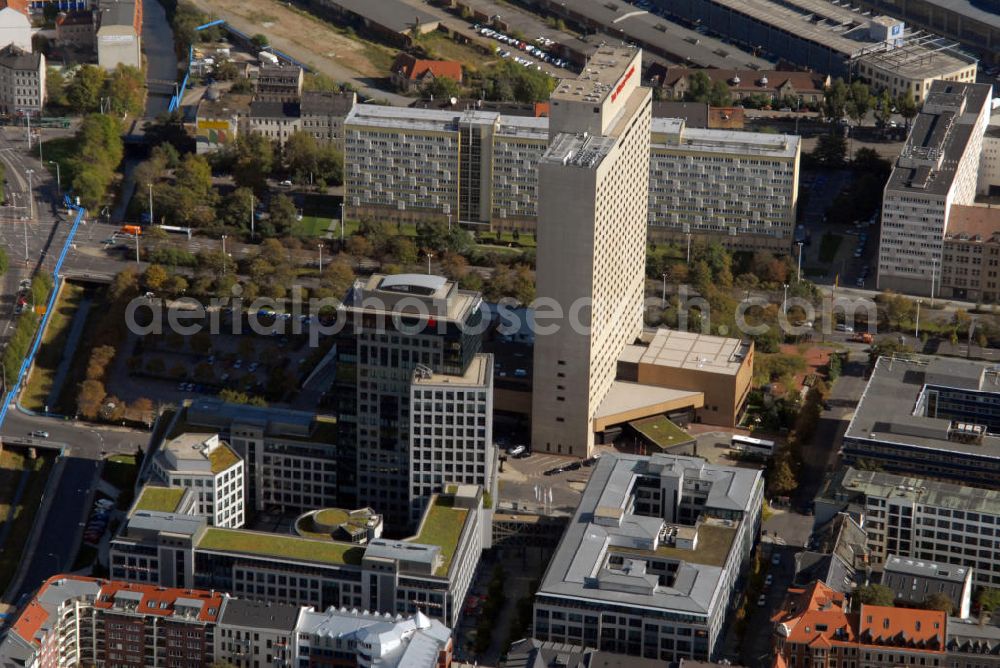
x=517 y=450
x=40 y=434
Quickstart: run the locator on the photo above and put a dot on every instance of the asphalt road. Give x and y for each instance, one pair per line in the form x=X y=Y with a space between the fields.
x=64 y=520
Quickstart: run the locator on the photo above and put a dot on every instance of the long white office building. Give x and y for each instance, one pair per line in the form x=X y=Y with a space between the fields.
x=480 y=168
x=920 y=518
x=937 y=168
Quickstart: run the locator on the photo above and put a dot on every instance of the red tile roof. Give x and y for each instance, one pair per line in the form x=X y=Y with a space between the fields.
x=974 y=220
x=749 y=80
x=413 y=68
x=19 y=5
x=35 y=615
x=925 y=629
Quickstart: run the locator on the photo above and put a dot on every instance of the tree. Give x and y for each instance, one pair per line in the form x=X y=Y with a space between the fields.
x=338 y=277
x=835 y=100
x=55 y=84
x=883 y=111
x=699 y=87
x=403 y=250
x=939 y=601
x=254 y=160
x=83 y=94
x=719 y=96
x=234 y=211
x=227 y=71
x=506 y=81
x=301 y=155
x=859 y=101
x=907 y=106
x=359 y=247
x=783 y=479
x=442 y=88
x=830 y=151
x=260 y=41
x=281 y=215
x=874 y=594
x=155 y=277
x=126 y=90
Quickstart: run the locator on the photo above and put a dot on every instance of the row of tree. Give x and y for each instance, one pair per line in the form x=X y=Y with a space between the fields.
x=121 y=91
x=855 y=100
x=99 y=151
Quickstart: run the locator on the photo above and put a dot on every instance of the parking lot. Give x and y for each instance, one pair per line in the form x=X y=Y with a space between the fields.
x=173 y=367
x=524 y=484
x=507 y=46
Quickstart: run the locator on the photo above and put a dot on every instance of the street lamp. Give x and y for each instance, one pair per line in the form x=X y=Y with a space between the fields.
x=341 y=222
x=31 y=194
x=320 y=247
x=429 y=256
x=664 y=288
x=252 y=233
x=689 y=248
x=934 y=264
x=225 y=258
x=151 y=204
x=58 y=176
x=916 y=331
x=137 y=248
x=799 y=280
x=784 y=302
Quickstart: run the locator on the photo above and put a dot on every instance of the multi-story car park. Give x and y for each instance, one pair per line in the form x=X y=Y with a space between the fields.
x=920 y=518
x=431 y=571
x=929 y=416
x=650 y=562
x=480 y=168
x=834 y=39
x=937 y=168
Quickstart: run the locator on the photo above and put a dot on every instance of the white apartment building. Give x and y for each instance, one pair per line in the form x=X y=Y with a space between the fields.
x=937 y=168
x=451 y=430
x=415 y=164
x=210 y=469
x=989 y=160
x=593 y=184
x=738 y=188
x=22 y=81
x=919 y=518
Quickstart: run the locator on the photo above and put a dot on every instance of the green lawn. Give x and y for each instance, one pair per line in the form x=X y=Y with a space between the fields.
x=443 y=527
x=829 y=246
x=310 y=226
x=12 y=462
x=50 y=351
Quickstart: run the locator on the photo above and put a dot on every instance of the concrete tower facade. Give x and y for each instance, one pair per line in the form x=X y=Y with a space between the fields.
x=592 y=217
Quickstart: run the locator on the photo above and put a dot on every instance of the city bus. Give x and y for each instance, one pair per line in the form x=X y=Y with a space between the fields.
x=753 y=446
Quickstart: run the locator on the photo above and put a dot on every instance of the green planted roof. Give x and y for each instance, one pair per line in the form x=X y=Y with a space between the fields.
x=159 y=499
x=281 y=546
x=442 y=526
